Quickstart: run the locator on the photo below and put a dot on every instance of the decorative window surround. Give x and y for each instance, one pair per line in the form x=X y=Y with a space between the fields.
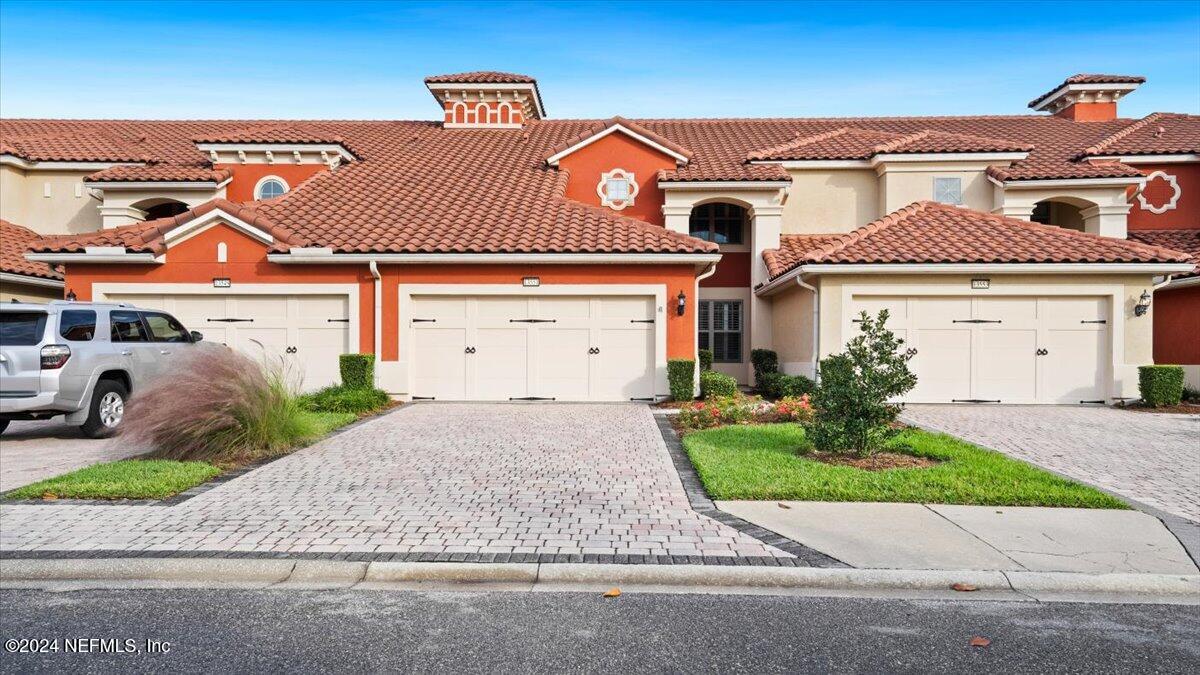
x=617 y=189
x=1176 y=193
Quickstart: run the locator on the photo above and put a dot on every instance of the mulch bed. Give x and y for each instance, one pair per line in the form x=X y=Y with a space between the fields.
x=880 y=461
x=670 y=405
x=1181 y=409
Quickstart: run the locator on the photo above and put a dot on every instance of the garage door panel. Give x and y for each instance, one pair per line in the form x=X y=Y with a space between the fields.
x=897 y=308
x=501 y=362
x=1007 y=310
x=1071 y=312
x=563 y=308
x=1073 y=365
x=262 y=308
x=943 y=356
x=625 y=365
x=940 y=312
x=1006 y=369
x=563 y=363
x=626 y=308
x=440 y=371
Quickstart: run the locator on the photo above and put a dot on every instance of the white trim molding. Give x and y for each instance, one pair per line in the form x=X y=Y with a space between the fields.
x=318 y=256
x=1069 y=94
x=214 y=217
x=96 y=257
x=116 y=186
x=1173 y=158
x=977 y=268
x=28 y=165
x=684 y=185
x=30 y=280
x=1176 y=193
x=271 y=152
x=679 y=159
x=1066 y=182
x=528 y=88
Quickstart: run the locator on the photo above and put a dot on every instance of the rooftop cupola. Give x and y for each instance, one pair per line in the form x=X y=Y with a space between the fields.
x=486 y=99
x=1087 y=97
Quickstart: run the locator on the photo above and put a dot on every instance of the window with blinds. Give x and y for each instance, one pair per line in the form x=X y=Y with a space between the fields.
x=720 y=329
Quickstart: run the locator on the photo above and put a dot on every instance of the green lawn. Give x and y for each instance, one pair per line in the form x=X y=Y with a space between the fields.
x=126 y=479
x=325 y=422
x=766 y=462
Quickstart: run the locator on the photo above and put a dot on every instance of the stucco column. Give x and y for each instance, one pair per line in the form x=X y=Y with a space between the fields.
x=766 y=224
x=1022 y=211
x=676 y=217
x=116 y=216
x=1107 y=221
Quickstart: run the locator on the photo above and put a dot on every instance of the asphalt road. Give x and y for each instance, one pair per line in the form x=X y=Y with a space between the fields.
x=276 y=630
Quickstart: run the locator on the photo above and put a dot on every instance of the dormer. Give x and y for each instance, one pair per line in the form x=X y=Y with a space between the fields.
x=268 y=161
x=1087 y=97
x=486 y=99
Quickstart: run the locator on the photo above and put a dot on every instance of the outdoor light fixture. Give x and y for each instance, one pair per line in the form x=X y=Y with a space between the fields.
x=70 y=296
x=1143 y=304
x=682 y=305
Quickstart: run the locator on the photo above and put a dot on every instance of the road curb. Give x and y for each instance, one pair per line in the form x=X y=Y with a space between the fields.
x=564 y=576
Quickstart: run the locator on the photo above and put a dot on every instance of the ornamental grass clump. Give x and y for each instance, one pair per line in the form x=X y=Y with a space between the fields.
x=219 y=406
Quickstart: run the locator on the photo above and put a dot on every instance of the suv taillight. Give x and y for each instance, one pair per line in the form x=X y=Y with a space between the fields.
x=55 y=356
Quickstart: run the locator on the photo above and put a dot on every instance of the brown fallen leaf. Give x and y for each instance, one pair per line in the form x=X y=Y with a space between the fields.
x=783 y=506
x=613 y=592
x=49 y=496
x=964 y=588
x=979 y=641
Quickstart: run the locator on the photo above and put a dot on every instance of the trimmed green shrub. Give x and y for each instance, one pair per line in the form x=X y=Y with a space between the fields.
x=343 y=399
x=358 y=370
x=782 y=385
x=1160 y=385
x=764 y=361
x=716 y=385
x=706 y=358
x=853 y=414
x=681 y=377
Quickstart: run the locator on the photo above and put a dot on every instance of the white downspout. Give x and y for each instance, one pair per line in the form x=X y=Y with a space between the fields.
x=816 y=323
x=378 y=315
x=712 y=269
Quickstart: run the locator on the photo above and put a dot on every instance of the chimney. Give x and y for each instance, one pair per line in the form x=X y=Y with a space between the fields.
x=1087 y=97
x=486 y=99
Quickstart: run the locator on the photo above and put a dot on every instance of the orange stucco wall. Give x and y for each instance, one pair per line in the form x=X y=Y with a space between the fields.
x=194 y=261
x=1177 y=326
x=618 y=151
x=245 y=176
x=1090 y=112
x=1185 y=215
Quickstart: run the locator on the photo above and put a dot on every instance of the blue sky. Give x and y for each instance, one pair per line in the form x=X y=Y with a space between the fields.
x=366 y=60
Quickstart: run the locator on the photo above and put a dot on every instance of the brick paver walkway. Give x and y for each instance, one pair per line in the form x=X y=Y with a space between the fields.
x=436 y=478
x=1152 y=458
x=31 y=451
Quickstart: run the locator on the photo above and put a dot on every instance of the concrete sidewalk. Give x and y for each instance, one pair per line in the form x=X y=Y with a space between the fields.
x=1005 y=538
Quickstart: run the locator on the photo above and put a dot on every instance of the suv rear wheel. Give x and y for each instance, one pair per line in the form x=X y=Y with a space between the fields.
x=107 y=409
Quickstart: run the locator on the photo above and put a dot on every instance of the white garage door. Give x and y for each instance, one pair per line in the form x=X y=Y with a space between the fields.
x=499 y=348
x=304 y=333
x=1002 y=349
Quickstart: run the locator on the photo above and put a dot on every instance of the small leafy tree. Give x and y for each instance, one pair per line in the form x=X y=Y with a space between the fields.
x=853 y=413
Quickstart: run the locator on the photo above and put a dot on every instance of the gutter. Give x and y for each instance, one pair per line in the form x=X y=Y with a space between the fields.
x=374 y=268
x=328 y=257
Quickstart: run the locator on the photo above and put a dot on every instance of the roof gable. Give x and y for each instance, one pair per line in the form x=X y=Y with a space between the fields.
x=631 y=129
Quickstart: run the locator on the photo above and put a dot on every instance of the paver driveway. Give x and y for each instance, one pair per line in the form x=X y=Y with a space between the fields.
x=31 y=451
x=1152 y=458
x=435 y=478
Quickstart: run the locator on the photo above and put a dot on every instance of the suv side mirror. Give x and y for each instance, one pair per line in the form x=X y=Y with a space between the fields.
x=197 y=336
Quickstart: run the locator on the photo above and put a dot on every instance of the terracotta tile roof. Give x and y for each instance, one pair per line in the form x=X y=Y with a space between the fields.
x=1090 y=78
x=159 y=173
x=274 y=133
x=854 y=143
x=792 y=250
x=628 y=124
x=14 y=242
x=1187 y=241
x=480 y=77
x=147 y=237
x=1156 y=134
x=931 y=233
x=422 y=187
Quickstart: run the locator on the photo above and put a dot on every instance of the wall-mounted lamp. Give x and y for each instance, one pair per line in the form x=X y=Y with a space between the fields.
x=681 y=305
x=70 y=296
x=1143 y=304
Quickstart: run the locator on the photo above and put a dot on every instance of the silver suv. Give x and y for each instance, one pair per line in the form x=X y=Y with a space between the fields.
x=82 y=359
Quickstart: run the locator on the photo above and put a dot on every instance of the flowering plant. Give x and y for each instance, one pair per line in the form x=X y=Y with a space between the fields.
x=794 y=409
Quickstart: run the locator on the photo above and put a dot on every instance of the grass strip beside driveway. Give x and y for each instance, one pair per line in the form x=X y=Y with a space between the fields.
x=125 y=479
x=325 y=422
x=766 y=461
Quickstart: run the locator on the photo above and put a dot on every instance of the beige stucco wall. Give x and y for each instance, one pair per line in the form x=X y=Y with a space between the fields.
x=792 y=315
x=1137 y=340
x=903 y=184
x=830 y=200
x=69 y=209
x=28 y=293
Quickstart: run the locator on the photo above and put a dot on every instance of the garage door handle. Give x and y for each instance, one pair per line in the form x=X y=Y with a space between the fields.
x=533 y=320
x=229 y=320
x=978 y=321
x=337 y=320
x=1041 y=352
x=594 y=350
x=469 y=350
x=291 y=350
x=1095 y=321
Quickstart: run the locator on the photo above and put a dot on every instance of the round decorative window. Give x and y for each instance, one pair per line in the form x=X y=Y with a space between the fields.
x=270 y=188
